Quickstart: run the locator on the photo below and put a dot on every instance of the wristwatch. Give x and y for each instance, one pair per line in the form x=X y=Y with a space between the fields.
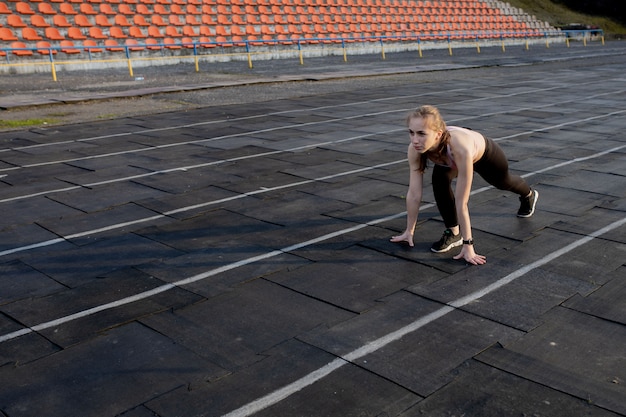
x=468 y=242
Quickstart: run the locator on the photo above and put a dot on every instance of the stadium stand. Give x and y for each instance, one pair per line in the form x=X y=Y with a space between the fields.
x=94 y=23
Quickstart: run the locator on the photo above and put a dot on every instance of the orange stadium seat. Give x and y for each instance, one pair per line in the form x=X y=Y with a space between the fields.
x=192 y=20
x=15 y=21
x=67 y=8
x=113 y=46
x=116 y=32
x=174 y=19
x=153 y=44
x=96 y=33
x=4 y=9
x=23 y=8
x=154 y=32
x=170 y=43
x=38 y=21
x=87 y=9
x=103 y=21
x=187 y=42
x=143 y=9
x=90 y=46
x=136 y=32
x=207 y=31
x=160 y=9
x=158 y=20
x=176 y=9
x=82 y=21
x=125 y=9
x=68 y=47
x=75 y=33
x=19 y=52
x=46 y=8
x=189 y=31
x=105 y=8
x=172 y=31
x=30 y=34
x=60 y=21
x=121 y=20
x=208 y=19
x=192 y=9
x=133 y=45
x=45 y=48
x=53 y=34
x=206 y=42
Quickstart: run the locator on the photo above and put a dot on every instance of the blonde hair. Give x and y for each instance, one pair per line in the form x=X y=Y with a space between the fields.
x=433 y=118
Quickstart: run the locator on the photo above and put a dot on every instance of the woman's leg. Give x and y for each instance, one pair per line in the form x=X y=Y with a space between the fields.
x=442 y=188
x=494 y=168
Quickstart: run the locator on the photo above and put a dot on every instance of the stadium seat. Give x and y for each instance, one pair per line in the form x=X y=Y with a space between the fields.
x=208 y=19
x=82 y=21
x=187 y=42
x=174 y=19
x=87 y=9
x=206 y=42
x=67 y=9
x=121 y=20
x=91 y=46
x=154 y=32
x=133 y=45
x=75 y=33
x=53 y=34
x=153 y=44
x=160 y=9
x=176 y=9
x=113 y=46
x=192 y=20
x=105 y=8
x=172 y=31
x=96 y=33
x=189 y=31
x=103 y=21
x=116 y=32
x=4 y=9
x=125 y=9
x=143 y=9
x=158 y=20
x=30 y=34
x=60 y=21
x=170 y=43
x=140 y=20
x=136 y=32
x=15 y=21
x=45 y=8
x=20 y=52
x=192 y=9
x=68 y=47
x=38 y=21
x=207 y=31
x=23 y=8
x=44 y=48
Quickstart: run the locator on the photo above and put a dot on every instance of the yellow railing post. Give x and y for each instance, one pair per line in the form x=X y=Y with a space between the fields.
x=195 y=56
x=345 y=53
x=300 y=53
x=382 y=48
x=477 y=44
x=419 y=46
x=52 y=66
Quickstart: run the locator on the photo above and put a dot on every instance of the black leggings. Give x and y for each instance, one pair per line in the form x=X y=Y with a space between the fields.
x=493 y=167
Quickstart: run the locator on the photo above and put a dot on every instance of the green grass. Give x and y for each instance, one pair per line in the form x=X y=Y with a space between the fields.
x=11 y=124
x=559 y=15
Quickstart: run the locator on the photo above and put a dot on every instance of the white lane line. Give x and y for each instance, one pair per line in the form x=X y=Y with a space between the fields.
x=278 y=113
x=237 y=264
x=284 y=392
x=243 y=134
x=314 y=145
x=265 y=190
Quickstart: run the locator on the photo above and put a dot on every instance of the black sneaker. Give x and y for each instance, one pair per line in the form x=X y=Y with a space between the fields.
x=527 y=204
x=447 y=242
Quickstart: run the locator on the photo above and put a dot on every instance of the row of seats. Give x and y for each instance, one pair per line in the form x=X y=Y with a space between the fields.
x=60 y=23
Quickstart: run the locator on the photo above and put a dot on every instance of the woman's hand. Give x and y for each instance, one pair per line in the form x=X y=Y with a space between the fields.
x=470 y=256
x=404 y=237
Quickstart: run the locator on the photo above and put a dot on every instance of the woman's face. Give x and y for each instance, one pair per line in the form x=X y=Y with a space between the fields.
x=423 y=138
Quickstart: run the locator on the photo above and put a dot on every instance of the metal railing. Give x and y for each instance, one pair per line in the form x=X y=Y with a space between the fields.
x=295 y=46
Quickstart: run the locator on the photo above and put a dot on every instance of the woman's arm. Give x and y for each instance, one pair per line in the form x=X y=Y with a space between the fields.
x=461 y=148
x=413 y=198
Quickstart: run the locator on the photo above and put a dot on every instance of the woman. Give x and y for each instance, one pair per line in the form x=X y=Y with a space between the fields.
x=457 y=153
